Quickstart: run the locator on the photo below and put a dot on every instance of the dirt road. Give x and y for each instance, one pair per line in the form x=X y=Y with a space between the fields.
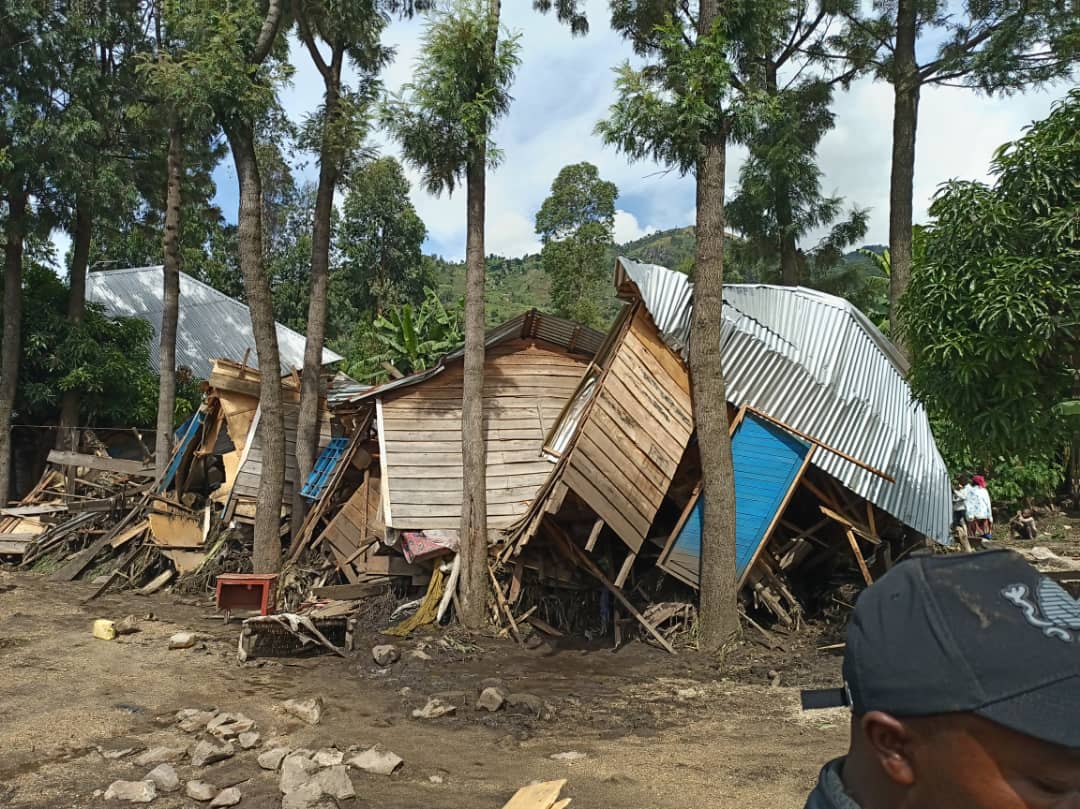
x=658 y=732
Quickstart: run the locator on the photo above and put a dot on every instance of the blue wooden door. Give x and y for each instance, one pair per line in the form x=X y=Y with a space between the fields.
x=767 y=462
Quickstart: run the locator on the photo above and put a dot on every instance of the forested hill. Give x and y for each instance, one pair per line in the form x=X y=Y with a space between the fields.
x=517 y=284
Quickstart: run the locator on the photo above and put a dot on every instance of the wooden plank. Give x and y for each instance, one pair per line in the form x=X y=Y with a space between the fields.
x=34 y=511
x=629 y=503
x=594 y=534
x=388 y=517
x=537 y=796
x=624 y=571
x=404 y=510
x=854 y=543
x=350 y=592
x=592 y=568
x=671 y=410
x=626 y=432
x=501 y=600
x=644 y=334
x=514 y=494
x=12 y=546
x=844 y=521
x=626 y=466
x=78 y=563
x=622 y=406
x=77 y=459
x=532 y=445
x=448 y=484
x=522 y=429
x=545 y=627
x=611 y=515
x=870 y=518
x=414 y=472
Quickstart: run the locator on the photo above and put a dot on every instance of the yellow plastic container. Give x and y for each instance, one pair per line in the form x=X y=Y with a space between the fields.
x=104 y=629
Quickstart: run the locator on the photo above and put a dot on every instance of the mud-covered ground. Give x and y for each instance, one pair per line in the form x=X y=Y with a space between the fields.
x=658 y=732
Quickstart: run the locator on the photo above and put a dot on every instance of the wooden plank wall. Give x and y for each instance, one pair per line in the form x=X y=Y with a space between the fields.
x=247 y=479
x=526 y=384
x=359 y=519
x=631 y=443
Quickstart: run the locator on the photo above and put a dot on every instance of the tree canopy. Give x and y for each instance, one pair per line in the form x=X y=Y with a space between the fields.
x=993 y=309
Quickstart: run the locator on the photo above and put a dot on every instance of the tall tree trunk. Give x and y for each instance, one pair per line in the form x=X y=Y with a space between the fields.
x=719 y=618
x=789 y=256
x=171 y=302
x=474 y=553
x=266 y=557
x=15 y=232
x=67 y=435
x=906 y=86
x=307 y=427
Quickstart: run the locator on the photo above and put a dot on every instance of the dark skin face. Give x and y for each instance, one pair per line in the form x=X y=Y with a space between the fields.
x=956 y=760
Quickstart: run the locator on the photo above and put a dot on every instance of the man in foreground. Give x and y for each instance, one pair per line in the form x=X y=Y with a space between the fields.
x=963 y=676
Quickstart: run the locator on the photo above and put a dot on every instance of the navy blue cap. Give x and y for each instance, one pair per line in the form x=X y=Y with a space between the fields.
x=982 y=633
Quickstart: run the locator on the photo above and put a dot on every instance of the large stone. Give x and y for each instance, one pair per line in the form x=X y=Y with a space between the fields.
x=128 y=626
x=386 y=654
x=491 y=699
x=308 y=710
x=306 y=796
x=328 y=757
x=227 y=797
x=433 y=710
x=336 y=783
x=206 y=752
x=182 y=640
x=377 y=761
x=131 y=791
x=572 y=755
x=160 y=755
x=192 y=720
x=164 y=777
x=201 y=791
x=296 y=770
x=248 y=740
x=271 y=759
x=227 y=725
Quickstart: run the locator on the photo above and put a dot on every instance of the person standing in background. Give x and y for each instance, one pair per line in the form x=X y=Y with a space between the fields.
x=959 y=509
x=978 y=510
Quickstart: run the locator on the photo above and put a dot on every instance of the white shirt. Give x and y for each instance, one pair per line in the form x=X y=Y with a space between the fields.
x=977 y=503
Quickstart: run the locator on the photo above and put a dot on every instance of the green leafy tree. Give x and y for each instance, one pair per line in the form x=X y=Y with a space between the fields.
x=443 y=120
x=576 y=224
x=992 y=46
x=414 y=338
x=682 y=109
x=380 y=237
x=993 y=309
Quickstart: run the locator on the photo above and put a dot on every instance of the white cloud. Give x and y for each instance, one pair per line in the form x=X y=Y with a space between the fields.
x=627 y=228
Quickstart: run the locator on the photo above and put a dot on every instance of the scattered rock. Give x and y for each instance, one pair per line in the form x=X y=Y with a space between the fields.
x=419 y=654
x=128 y=626
x=328 y=757
x=572 y=755
x=227 y=797
x=308 y=710
x=192 y=720
x=164 y=778
x=377 y=761
x=226 y=725
x=433 y=710
x=336 y=783
x=206 y=752
x=131 y=791
x=452 y=697
x=271 y=759
x=526 y=703
x=386 y=654
x=104 y=630
x=306 y=796
x=296 y=771
x=182 y=640
x=248 y=740
x=490 y=700
x=201 y=791
x=496 y=683
x=160 y=755
x=436 y=779
x=115 y=749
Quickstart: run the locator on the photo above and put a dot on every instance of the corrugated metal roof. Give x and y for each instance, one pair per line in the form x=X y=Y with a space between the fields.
x=815 y=362
x=572 y=336
x=210 y=325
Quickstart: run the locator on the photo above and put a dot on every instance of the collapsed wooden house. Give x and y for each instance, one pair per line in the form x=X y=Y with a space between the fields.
x=592 y=455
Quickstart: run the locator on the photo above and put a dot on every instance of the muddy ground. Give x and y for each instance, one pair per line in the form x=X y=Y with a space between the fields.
x=659 y=732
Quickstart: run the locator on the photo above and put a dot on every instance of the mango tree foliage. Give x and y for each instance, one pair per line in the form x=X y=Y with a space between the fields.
x=992 y=310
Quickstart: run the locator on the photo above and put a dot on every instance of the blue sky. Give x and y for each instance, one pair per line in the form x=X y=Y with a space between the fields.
x=565 y=85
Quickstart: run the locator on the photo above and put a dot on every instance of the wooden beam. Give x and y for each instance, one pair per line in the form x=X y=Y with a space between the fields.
x=859 y=557
x=349 y=592
x=870 y=518
x=501 y=601
x=591 y=566
x=851 y=526
x=624 y=571
x=839 y=453
x=594 y=534
x=118 y=465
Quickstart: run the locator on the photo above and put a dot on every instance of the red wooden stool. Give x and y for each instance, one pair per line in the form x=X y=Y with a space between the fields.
x=248 y=591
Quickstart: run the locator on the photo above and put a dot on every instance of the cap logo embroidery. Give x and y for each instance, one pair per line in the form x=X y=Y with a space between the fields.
x=1053 y=610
